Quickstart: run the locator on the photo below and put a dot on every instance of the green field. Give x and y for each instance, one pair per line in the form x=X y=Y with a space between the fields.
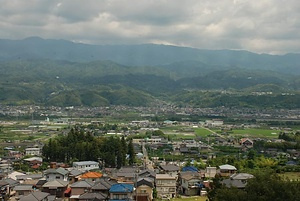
x=291 y=175
x=202 y=132
x=180 y=136
x=256 y=132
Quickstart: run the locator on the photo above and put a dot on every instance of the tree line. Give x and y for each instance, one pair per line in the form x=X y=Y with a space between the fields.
x=79 y=145
x=265 y=186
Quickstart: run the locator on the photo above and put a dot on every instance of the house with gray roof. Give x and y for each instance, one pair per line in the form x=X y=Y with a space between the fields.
x=23 y=189
x=35 y=196
x=103 y=185
x=190 y=183
x=93 y=197
x=54 y=174
x=170 y=169
x=147 y=174
x=74 y=175
x=238 y=180
x=80 y=187
x=29 y=177
x=55 y=187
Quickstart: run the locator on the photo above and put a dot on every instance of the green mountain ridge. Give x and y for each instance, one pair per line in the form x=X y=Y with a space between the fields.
x=102 y=83
x=144 y=55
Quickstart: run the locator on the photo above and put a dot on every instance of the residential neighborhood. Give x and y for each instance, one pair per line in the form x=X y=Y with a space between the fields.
x=169 y=159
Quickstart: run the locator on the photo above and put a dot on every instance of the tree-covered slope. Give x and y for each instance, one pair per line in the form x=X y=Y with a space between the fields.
x=101 y=83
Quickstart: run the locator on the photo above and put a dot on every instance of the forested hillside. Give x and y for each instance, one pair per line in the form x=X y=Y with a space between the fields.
x=62 y=73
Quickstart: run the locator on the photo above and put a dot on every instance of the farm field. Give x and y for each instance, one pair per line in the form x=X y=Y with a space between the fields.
x=202 y=132
x=256 y=132
x=180 y=136
x=23 y=132
x=193 y=198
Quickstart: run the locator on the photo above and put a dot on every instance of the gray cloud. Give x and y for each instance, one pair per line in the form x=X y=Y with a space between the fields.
x=265 y=26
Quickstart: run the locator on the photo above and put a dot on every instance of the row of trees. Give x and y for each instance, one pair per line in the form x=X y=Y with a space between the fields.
x=78 y=145
x=265 y=186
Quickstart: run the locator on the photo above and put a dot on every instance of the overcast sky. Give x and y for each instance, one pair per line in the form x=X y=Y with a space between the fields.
x=263 y=26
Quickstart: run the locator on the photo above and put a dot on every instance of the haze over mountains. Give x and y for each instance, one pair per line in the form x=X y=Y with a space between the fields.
x=60 y=72
x=143 y=55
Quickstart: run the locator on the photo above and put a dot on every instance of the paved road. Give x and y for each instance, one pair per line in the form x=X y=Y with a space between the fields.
x=148 y=164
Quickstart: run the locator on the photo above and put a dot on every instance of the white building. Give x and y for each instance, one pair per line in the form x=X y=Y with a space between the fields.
x=86 y=165
x=214 y=123
x=33 y=151
x=165 y=186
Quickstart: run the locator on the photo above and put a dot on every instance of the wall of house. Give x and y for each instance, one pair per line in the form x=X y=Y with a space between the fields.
x=77 y=191
x=166 y=188
x=86 y=167
x=143 y=189
x=52 y=177
x=18 y=193
x=59 y=192
x=120 y=196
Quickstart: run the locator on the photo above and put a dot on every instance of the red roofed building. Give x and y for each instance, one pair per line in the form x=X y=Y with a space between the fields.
x=92 y=176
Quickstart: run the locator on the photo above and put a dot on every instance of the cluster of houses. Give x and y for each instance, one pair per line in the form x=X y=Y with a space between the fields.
x=84 y=182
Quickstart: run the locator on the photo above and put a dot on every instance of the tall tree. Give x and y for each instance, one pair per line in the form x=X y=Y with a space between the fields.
x=131 y=152
x=124 y=149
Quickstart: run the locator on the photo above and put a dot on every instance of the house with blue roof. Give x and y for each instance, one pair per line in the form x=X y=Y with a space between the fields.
x=189 y=169
x=121 y=191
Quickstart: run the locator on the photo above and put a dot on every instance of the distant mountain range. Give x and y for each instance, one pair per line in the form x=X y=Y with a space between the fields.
x=60 y=72
x=145 y=55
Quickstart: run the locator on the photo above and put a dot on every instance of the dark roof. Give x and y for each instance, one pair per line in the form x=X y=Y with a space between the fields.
x=3 y=183
x=170 y=168
x=29 y=176
x=184 y=149
x=125 y=174
x=35 y=196
x=147 y=173
x=82 y=184
x=145 y=181
x=41 y=182
x=75 y=172
x=92 y=196
x=104 y=184
x=11 y=182
x=52 y=198
x=234 y=183
x=121 y=188
x=56 y=183
x=128 y=169
x=190 y=175
x=190 y=168
x=60 y=170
